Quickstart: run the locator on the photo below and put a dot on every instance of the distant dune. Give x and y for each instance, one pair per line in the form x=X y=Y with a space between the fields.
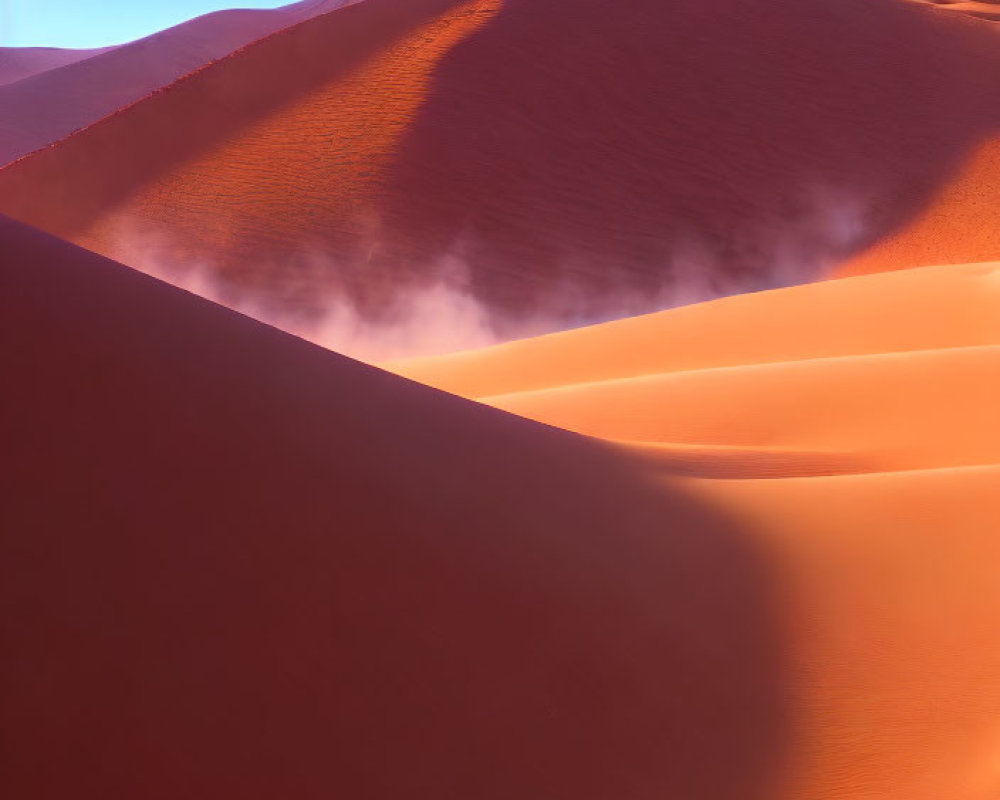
x=557 y=162
x=52 y=93
x=17 y=63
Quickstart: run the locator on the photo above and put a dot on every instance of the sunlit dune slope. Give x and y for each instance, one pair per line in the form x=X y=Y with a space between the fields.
x=642 y=154
x=925 y=309
x=959 y=225
x=234 y=564
x=891 y=608
x=885 y=372
x=60 y=91
x=836 y=420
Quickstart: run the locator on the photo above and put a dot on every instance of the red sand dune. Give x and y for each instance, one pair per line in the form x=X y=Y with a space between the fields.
x=662 y=152
x=57 y=92
x=233 y=564
x=237 y=565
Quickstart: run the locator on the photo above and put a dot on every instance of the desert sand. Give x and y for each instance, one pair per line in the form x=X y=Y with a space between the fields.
x=741 y=549
x=47 y=94
x=852 y=425
x=18 y=63
x=557 y=176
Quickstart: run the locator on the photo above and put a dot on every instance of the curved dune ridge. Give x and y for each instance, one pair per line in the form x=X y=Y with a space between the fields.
x=549 y=175
x=980 y=9
x=319 y=578
x=852 y=423
x=235 y=564
x=46 y=94
x=828 y=378
x=17 y=63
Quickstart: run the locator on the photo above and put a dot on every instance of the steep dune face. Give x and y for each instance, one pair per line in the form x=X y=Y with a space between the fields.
x=56 y=92
x=558 y=161
x=233 y=564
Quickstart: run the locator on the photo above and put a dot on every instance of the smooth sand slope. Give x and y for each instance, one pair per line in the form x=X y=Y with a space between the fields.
x=17 y=63
x=853 y=425
x=642 y=154
x=47 y=94
x=236 y=564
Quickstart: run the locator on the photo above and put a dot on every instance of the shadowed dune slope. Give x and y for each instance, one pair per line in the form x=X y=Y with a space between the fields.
x=17 y=63
x=235 y=564
x=60 y=91
x=642 y=154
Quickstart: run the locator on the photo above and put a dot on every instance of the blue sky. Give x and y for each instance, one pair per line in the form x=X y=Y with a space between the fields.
x=96 y=23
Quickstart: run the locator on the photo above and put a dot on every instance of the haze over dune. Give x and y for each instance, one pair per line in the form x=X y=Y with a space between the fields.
x=557 y=162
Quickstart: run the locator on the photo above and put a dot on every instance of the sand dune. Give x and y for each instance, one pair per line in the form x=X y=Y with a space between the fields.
x=17 y=63
x=288 y=572
x=738 y=550
x=879 y=373
x=978 y=9
x=52 y=93
x=925 y=309
x=689 y=150
x=960 y=223
x=234 y=564
x=852 y=425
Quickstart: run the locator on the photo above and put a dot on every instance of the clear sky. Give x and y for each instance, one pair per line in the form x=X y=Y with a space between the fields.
x=97 y=23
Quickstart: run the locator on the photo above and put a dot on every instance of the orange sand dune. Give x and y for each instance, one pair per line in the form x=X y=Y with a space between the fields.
x=880 y=373
x=979 y=9
x=53 y=93
x=557 y=175
x=923 y=310
x=234 y=564
x=853 y=425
